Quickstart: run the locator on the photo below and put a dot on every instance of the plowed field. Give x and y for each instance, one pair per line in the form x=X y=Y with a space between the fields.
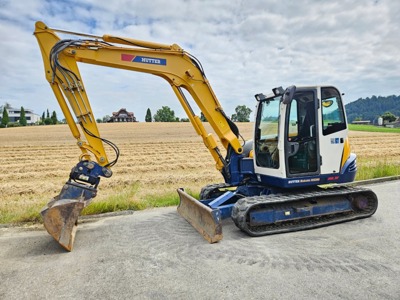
x=156 y=157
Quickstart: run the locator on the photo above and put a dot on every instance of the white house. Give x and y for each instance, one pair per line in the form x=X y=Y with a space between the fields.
x=15 y=113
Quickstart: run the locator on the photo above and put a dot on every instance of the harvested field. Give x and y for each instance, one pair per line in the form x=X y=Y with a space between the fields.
x=156 y=158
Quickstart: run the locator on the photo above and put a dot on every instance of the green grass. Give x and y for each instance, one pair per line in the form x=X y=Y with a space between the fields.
x=123 y=199
x=30 y=214
x=126 y=199
x=372 y=128
x=366 y=170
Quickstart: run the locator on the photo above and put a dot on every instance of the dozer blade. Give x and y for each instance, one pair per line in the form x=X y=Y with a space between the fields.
x=204 y=219
x=60 y=218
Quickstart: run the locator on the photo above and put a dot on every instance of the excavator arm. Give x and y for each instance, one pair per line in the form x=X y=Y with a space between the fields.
x=170 y=62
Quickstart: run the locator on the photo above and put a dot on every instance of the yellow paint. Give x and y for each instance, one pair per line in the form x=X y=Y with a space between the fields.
x=346 y=151
x=179 y=71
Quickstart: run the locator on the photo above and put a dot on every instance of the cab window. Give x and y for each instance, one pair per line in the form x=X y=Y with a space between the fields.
x=333 y=119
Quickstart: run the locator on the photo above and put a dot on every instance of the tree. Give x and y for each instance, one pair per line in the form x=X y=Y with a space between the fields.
x=47 y=120
x=106 y=118
x=242 y=114
x=54 y=118
x=22 y=117
x=148 y=116
x=5 y=119
x=165 y=114
x=389 y=117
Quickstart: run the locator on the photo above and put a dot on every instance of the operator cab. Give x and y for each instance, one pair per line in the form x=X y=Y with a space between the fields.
x=300 y=137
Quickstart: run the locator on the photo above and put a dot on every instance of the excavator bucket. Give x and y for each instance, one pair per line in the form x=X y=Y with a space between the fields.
x=60 y=218
x=205 y=220
x=60 y=215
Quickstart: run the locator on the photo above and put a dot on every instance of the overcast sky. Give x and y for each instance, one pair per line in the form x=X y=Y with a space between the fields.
x=245 y=47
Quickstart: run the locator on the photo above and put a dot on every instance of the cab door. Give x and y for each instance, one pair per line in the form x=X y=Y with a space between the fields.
x=302 y=156
x=333 y=137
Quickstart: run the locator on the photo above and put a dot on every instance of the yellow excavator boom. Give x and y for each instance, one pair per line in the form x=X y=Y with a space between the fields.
x=172 y=63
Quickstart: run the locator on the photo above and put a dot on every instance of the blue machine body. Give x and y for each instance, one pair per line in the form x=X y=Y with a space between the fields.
x=241 y=169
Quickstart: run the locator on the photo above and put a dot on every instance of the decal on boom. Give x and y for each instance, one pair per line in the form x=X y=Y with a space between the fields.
x=144 y=59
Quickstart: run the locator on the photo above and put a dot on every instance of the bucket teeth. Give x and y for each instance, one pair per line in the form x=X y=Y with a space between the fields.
x=204 y=219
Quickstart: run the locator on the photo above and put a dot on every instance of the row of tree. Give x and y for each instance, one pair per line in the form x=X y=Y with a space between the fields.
x=49 y=120
x=166 y=114
x=361 y=109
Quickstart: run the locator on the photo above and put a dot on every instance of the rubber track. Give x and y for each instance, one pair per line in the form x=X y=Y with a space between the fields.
x=243 y=207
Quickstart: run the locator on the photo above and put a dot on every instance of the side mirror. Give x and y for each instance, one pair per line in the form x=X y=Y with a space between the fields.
x=327 y=103
x=287 y=96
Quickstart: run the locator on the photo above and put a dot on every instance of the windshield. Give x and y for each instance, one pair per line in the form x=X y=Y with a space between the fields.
x=266 y=138
x=268 y=118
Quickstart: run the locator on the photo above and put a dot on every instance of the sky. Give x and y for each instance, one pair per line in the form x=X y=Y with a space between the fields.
x=245 y=48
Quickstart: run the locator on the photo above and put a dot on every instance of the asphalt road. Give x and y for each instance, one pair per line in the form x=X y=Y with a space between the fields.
x=155 y=254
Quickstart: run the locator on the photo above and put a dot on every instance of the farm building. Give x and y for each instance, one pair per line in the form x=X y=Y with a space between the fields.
x=14 y=115
x=394 y=124
x=367 y=122
x=122 y=116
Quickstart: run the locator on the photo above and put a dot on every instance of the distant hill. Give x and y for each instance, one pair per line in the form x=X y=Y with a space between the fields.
x=372 y=108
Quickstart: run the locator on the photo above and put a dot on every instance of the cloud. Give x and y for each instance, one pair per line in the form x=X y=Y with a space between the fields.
x=245 y=47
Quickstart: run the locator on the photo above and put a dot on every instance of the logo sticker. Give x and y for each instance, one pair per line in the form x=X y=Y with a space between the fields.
x=337 y=140
x=303 y=180
x=144 y=59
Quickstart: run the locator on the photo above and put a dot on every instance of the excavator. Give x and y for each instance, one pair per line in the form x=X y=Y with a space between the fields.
x=291 y=176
